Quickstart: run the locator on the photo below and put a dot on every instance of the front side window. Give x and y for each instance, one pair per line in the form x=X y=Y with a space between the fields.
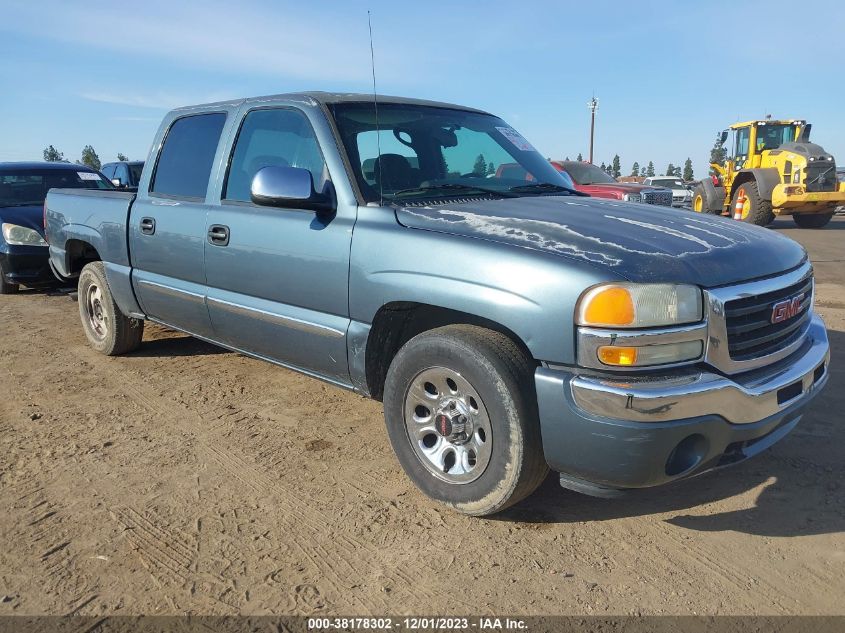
x=29 y=187
x=135 y=170
x=185 y=162
x=415 y=151
x=273 y=138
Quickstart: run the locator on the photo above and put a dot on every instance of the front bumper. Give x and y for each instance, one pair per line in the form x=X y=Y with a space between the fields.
x=810 y=201
x=27 y=265
x=613 y=432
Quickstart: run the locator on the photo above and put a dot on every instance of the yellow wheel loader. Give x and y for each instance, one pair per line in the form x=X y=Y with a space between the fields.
x=771 y=169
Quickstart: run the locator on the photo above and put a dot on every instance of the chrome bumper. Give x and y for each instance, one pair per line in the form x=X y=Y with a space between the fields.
x=743 y=399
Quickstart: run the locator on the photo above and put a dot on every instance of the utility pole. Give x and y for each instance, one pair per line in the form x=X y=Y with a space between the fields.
x=593 y=104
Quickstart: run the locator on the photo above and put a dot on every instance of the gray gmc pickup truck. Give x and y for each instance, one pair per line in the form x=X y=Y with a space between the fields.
x=509 y=326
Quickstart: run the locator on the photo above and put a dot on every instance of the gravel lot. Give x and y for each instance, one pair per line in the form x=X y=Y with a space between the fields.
x=187 y=479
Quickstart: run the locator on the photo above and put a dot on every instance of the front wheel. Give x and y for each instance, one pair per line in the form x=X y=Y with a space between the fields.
x=461 y=414
x=749 y=206
x=109 y=331
x=812 y=220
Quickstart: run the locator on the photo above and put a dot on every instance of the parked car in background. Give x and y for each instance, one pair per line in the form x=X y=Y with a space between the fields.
x=681 y=193
x=24 y=259
x=594 y=181
x=508 y=326
x=124 y=174
x=515 y=171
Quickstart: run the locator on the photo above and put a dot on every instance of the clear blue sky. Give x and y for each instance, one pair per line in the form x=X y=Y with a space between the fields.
x=669 y=75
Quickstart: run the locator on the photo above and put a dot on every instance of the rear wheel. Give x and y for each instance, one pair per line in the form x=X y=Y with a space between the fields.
x=812 y=220
x=750 y=206
x=461 y=415
x=7 y=288
x=699 y=202
x=109 y=331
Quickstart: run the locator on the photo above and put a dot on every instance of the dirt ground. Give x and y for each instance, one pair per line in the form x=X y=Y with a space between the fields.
x=187 y=479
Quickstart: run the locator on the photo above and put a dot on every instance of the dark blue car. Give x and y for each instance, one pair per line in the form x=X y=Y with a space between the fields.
x=23 y=187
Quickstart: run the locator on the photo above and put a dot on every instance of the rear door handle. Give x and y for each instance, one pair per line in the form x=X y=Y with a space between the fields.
x=218 y=235
x=148 y=226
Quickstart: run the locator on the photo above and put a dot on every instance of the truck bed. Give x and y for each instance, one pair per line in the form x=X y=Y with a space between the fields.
x=96 y=217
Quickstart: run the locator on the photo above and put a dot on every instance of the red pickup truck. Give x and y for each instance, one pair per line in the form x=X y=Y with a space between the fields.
x=592 y=180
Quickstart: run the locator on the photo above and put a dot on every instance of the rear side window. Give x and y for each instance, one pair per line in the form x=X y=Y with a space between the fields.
x=184 y=164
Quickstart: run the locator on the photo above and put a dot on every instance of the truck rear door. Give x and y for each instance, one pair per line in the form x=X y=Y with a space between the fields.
x=278 y=281
x=168 y=227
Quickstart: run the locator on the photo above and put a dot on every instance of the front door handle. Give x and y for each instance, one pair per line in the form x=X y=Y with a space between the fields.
x=218 y=235
x=148 y=226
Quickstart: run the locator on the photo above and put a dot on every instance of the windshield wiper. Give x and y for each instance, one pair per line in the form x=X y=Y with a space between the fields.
x=34 y=203
x=453 y=186
x=545 y=187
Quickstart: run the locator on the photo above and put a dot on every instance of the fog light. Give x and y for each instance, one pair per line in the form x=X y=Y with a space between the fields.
x=649 y=354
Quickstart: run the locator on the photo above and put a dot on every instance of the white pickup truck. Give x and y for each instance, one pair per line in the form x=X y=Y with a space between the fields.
x=681 y=195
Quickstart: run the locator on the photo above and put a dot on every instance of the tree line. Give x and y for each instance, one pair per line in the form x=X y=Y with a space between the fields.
x=614 y=168
x=89 y=157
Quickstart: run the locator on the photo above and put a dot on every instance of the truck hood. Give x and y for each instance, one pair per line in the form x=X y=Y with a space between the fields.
x=627 y=187
x=32 y=217
x=641 y=243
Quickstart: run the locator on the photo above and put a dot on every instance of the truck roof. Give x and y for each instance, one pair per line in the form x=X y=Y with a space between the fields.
x=35 y=164
x=318 y=97
x=768 y=122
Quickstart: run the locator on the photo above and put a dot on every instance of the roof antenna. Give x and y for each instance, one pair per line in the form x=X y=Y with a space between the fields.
x=375 y=105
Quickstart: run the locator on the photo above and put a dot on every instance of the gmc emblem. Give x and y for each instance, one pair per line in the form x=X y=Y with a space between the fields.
x=786 y=309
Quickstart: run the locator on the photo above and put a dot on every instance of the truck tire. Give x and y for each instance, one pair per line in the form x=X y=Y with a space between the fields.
x=756 y=210
x=461 y=415
x=812 y=220
x=7 y=288
x=699 y=202
x=109 y=331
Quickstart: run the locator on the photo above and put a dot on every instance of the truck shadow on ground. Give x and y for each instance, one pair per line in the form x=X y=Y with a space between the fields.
x=789 y=223
x=802 y=481
x=176 y=344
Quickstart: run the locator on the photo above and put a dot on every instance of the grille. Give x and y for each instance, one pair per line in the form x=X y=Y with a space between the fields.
x=751 y=333
x=820 y=176
x=663 y=198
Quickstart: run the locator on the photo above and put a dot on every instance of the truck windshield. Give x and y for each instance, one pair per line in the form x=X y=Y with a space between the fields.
x=672 y=183
x=420 y=151
x=588 y=174
x=771 y=136
x=29 y=187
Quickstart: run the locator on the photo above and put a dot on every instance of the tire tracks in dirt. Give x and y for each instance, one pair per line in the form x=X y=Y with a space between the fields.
x=295 y=511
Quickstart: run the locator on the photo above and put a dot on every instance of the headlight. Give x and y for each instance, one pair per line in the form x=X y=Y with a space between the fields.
x=639 y=305
x=22 y=236
x=632 y=197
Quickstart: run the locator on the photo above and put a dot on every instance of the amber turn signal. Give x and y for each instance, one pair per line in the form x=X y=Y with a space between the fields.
x=611 y=305
x=620 y=356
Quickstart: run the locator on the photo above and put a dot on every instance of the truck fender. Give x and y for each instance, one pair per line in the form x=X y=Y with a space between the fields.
x=767 y=179
x=714 y=197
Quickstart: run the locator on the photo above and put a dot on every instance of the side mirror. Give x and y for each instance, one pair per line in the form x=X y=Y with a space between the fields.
x=290 y=187
x=116 y=182
x=723 y=136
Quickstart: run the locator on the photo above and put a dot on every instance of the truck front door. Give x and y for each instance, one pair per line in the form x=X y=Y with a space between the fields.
x=278 y=282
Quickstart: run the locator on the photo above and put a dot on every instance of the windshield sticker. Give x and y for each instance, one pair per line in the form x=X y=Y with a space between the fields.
x=87 y=175
x=516 y=138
